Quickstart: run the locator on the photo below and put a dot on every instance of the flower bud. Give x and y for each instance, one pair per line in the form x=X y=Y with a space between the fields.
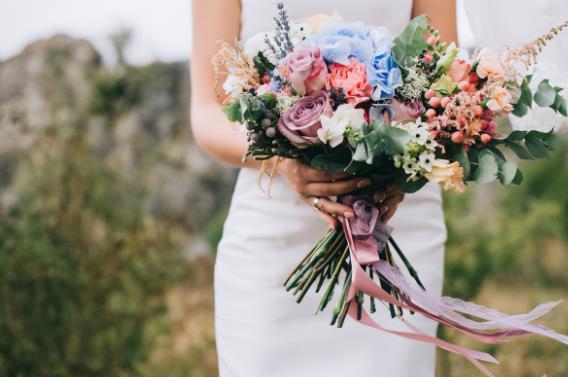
x=432 y=40
x=478 y=111
x=250 y=126
x=457 y=137
x=266 y=122
x=427 y=59
x=270 y=132
x=485 y=138
x=464 y=86
x=435 y=102
x=446 y=101
x=430 y=113
x=429 y=94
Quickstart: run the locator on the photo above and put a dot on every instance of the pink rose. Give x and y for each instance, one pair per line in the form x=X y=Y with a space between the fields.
x=300 y=123
x=305 y=69
x=459 y=71
x=407 y=111
x=352 y=80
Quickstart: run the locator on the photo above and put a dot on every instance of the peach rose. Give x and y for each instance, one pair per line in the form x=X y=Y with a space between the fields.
x=351 y=79
x=459 y=70
x=489 y=66
x=500 y=101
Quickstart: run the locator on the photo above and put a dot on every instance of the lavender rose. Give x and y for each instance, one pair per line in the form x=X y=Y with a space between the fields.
x=407 y=111
x=300 y=123
x=306 y=69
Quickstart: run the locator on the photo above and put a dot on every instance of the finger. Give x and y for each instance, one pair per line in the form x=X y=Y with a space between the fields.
x=334 y=208
x=332 y=221
x=393 y=200
x=335 y=188
x=390 y=211
x=310 y=174
x=379 y=196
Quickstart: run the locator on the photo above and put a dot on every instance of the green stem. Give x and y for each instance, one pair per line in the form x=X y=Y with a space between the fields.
x=406 y=262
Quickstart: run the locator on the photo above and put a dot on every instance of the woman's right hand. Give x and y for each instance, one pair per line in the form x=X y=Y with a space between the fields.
x=317 y=186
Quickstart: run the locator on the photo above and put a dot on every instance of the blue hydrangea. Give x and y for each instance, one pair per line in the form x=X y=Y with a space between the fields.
x=368 y=45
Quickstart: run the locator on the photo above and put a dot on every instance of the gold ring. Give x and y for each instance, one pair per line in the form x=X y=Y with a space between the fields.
x=316 y=202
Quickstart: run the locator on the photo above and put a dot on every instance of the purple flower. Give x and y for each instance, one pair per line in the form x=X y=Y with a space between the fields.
x=407 y=111
x=300 y=123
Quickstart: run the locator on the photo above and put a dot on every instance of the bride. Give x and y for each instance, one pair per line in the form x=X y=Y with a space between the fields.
x=261 y=331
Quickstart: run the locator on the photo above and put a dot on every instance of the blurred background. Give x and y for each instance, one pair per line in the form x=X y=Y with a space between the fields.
x=110 y=214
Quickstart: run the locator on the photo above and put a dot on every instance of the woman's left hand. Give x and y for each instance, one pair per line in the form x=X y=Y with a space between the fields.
x=388 y=199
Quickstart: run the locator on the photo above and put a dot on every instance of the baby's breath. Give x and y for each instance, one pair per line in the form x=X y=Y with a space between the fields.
x=415 y=84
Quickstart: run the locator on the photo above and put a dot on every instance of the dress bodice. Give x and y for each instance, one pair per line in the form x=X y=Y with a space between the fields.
x=257 y=15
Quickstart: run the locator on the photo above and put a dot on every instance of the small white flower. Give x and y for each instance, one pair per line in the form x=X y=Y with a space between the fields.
x=233 y=85
x=425 y=160
x=410 y=166
x=332 y=130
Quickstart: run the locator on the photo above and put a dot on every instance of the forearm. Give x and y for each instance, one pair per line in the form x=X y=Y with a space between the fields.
x=218 y=137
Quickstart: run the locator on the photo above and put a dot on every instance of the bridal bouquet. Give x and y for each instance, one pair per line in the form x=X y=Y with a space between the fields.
x=402 y=111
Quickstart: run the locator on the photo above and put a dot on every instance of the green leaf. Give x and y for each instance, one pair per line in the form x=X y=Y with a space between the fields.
x=463 y=159
x=517 y=136
x=269 y=99
x=507 y=172
x=394 y=139
x=519 y=150
x=411 y=41
x=559 y=105
x=262 y=64
x=330 y=162
x=520 y=109
x=409 y=187
x=487 y=170
x=536 y=147
x=545 y=94
x=518 y=178
x=233 y=111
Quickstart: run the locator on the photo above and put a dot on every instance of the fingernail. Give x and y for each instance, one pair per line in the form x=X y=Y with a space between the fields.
x=364 y=183
x=348 y=215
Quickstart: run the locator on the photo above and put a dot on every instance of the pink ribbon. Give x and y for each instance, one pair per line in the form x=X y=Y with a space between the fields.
x=366 y=236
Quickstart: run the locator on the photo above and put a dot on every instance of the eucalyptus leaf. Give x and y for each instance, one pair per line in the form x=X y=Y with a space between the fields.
x=520 y=109
x=507 y=172
x=519 y=150
x=536 y=147
x=518 y=178
x=487 y=170
x=463 y=159
x=545 y=94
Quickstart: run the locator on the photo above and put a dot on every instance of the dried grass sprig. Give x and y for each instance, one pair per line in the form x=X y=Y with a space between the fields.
x=528 y=52
x=231 y=60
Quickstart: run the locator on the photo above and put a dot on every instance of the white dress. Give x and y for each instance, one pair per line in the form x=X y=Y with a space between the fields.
x=261 y=331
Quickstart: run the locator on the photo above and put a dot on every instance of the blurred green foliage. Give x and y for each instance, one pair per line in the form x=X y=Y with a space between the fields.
x=82 y=271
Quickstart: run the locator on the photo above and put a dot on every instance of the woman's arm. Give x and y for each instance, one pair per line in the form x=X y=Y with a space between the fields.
x=214 y=21
x=442 y=15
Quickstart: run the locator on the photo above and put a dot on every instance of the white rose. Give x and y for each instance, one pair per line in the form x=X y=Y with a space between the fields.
x=257 y=43
x=351 y=116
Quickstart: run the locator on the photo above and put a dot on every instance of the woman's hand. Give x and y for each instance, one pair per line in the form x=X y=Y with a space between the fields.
x=388 y=199
x=316 y=186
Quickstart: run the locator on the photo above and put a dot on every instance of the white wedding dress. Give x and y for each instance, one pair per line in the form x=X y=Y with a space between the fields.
x=261 y=330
